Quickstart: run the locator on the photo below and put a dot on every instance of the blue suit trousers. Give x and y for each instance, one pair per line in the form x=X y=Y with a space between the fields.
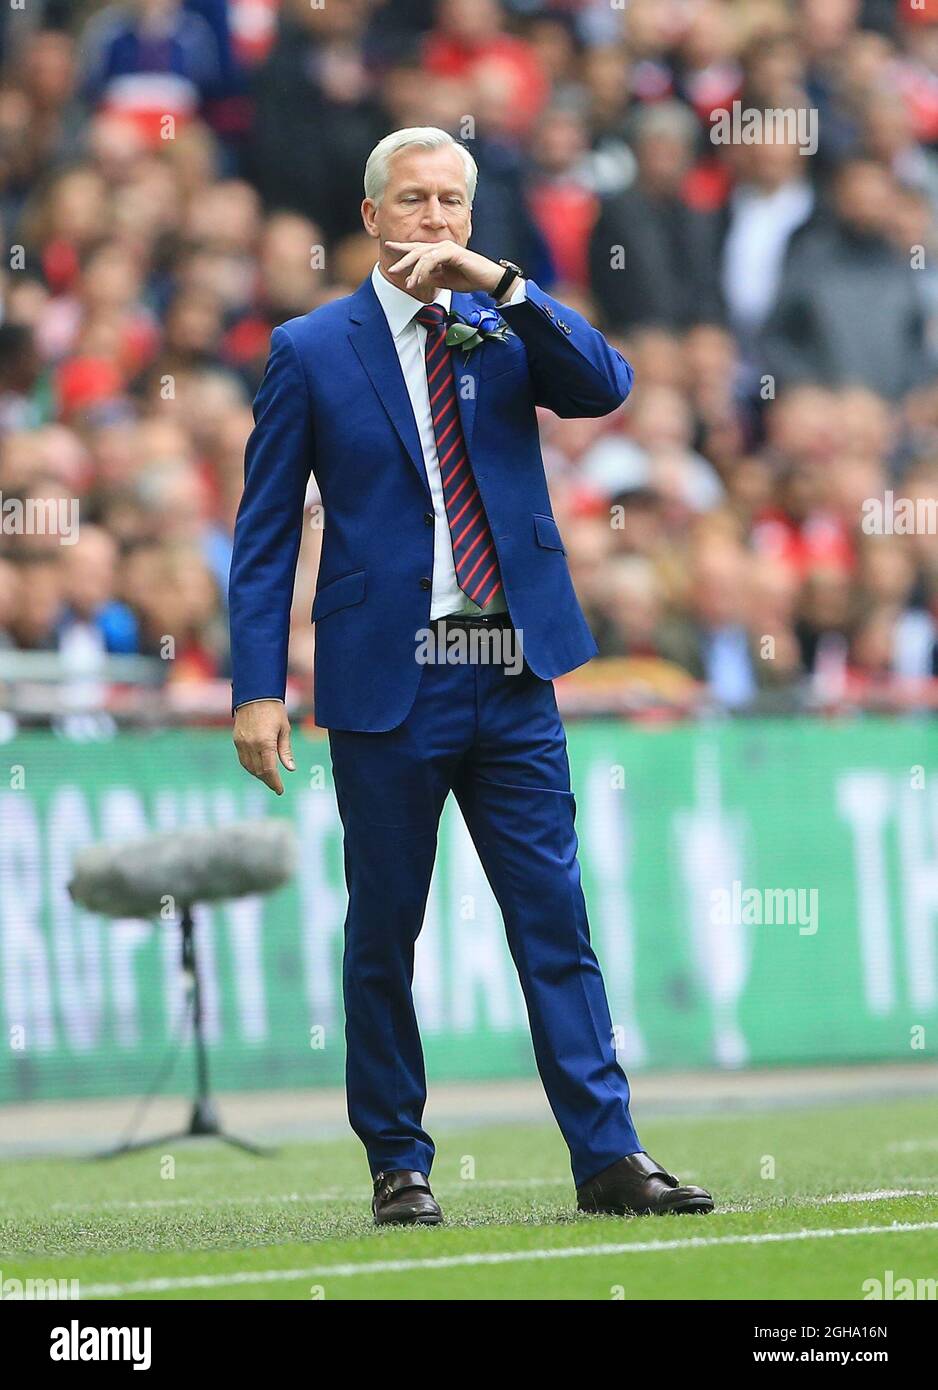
x=493 y=736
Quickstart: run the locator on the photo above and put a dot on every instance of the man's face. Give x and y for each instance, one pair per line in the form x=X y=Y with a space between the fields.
x=864 y=195
x=425 y=200
x=663 y=160
x=157 y=9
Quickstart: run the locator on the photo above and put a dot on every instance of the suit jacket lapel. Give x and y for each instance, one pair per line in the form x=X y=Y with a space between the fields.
x=371 y=338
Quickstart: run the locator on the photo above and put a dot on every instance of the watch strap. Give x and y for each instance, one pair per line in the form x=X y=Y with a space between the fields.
x=512 y=272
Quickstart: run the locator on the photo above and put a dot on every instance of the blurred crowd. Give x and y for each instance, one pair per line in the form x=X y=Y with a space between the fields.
x=177 y=177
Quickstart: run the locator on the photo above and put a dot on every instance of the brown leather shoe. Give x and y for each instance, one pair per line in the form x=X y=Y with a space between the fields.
x=638 y=1186
x=403 y=1198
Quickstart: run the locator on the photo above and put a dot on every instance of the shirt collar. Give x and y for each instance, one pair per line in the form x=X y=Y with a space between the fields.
x=399 y=306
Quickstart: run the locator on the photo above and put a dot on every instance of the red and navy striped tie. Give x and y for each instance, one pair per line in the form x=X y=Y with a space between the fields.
x=473 y=547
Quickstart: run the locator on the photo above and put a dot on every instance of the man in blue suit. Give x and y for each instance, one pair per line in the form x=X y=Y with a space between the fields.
x=439 y=545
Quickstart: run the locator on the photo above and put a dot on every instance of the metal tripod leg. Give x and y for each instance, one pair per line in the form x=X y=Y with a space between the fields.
x=203 y=1122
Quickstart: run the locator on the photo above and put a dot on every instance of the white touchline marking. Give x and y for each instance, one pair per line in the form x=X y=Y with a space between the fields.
x=911 y=1146
x=152 y=1203
x=337 y=1195
x=467 y=1184
x=563 y=1252
x=333 y=1195
x=780 y=1203
x=880 y=1196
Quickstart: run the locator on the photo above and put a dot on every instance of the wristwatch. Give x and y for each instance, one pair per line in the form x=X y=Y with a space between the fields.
x=512 y=272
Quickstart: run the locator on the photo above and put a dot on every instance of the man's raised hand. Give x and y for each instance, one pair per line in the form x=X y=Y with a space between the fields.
x=444 y=265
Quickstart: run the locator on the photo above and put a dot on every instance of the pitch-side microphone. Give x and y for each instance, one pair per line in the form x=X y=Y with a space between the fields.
x=138 y=878
x=168 y=875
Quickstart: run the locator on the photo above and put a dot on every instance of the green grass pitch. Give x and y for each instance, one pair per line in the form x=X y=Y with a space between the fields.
x=854 y=1195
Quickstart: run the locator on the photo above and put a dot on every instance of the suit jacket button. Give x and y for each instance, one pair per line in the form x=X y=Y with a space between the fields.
x=548 y=311
x=428 y=518
x=426 y=583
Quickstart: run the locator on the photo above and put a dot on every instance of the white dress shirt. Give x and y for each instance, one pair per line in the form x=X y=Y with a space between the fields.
x=760 y=228
x=410 y=340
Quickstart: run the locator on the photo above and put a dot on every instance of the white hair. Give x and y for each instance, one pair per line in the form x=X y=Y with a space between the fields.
x=423 y=137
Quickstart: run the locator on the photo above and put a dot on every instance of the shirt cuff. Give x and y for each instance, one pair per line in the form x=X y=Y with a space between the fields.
x=519 y=294
x=260 y=699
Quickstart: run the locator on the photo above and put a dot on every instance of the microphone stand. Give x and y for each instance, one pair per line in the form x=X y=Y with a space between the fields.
x=203 y=1120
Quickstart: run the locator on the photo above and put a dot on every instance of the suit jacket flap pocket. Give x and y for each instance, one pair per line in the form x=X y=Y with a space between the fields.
x=339 y=593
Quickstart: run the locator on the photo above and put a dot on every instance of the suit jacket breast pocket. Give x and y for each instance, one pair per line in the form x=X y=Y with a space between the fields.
x=498 y=359
x=547 y=533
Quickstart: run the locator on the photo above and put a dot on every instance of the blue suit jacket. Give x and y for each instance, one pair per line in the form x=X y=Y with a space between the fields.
x=333 y=401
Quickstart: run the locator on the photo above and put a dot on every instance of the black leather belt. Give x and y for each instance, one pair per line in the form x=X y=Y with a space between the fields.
x=470 y=620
